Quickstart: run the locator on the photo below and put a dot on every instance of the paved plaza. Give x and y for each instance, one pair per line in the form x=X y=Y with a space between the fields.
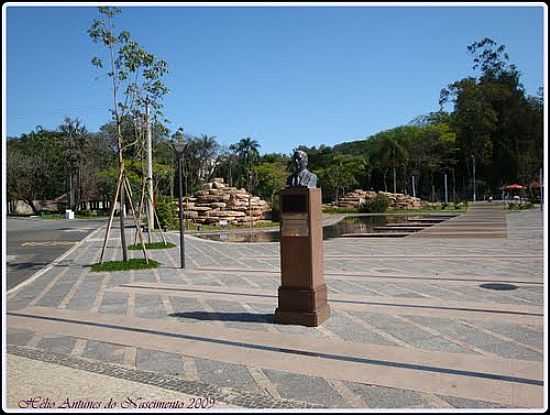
x=449 y=317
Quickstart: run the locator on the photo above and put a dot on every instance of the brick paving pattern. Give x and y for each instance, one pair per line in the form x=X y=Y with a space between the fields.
x=402 y=310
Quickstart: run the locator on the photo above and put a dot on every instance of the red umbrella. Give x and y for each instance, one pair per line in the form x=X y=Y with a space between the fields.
x=514 y=186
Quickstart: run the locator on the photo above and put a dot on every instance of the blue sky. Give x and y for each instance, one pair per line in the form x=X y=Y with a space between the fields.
x=284 y=76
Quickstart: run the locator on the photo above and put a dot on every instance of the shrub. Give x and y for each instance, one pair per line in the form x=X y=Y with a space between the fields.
x=167 y=212
x=87 y=213
x=377 y=205
x=526 y=205
x=520 y=206
x=533 y=198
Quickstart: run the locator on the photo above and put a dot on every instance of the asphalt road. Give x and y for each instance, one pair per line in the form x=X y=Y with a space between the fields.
x=33 y=243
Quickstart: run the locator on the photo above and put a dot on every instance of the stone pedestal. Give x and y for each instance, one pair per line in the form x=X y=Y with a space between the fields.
x=303 y=293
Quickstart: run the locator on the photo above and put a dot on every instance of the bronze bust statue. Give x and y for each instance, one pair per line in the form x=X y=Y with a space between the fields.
x=301 y=177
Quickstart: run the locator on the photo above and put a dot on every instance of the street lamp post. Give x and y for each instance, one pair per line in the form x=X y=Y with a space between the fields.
x=474 y=174
x=179 y=148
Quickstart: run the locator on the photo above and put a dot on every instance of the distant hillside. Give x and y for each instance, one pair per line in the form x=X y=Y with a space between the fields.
x=352 y=147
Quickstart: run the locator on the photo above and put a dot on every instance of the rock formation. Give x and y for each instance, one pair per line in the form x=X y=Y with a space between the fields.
x=217 y=202
x=355 y=198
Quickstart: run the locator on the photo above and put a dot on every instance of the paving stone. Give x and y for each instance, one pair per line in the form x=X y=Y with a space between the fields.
x=516 y=332
x=114 y=303
x=144 y=276
x=225 y=374
x=384 y=397
x=305 y=388
x=86 y=293
x=118 y=278
x=510 y=350
x=57 y=344
x=29 y=292
x=56 y=294
x=233 y=281
x=478 y=338
x=18 y=336
x=227 y=395
x=102 y=351
x=156 y=361
x=182 y=305
x=235 y=315
x=469 y=403
x=149 y=306
x=349 y=330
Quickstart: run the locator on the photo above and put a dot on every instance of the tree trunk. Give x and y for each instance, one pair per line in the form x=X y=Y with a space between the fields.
x=122 y=226
x=394 y=181
x=385 y=184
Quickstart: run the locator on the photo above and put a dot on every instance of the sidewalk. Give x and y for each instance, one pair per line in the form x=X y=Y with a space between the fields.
x=35 y=384
x=416 y=322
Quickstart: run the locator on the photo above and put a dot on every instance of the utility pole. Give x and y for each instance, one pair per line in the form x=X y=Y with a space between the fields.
x=446 y=192
x=540 y=190
x=454 y=185
x=149 y=180
x=474 y=174
x=413 y=187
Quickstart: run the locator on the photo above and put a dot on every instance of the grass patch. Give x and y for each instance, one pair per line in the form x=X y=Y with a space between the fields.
x=134 y=263
x=152 y=245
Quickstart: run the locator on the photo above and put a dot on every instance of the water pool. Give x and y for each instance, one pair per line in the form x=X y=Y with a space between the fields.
x=350 y=224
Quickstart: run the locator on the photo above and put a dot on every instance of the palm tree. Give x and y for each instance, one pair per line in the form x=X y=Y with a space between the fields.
x=207 y=148
x=392 y=155
x=247 y=151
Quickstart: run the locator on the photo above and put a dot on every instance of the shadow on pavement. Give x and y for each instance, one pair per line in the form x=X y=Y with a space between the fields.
x=242 y=317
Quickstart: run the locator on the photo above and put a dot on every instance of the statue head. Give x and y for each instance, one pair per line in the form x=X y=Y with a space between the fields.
x=300 y=160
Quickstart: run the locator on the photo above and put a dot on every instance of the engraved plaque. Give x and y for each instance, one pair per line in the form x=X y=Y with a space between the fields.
x=295 y=225
x=294 y=204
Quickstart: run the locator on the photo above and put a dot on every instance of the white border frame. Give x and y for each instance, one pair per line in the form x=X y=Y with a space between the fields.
x=281 y=4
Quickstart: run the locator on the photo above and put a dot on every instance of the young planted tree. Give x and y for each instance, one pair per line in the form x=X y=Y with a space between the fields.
x=135 y=83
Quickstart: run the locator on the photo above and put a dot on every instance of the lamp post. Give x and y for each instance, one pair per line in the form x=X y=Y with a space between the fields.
x=179 y=148
x=474 y=174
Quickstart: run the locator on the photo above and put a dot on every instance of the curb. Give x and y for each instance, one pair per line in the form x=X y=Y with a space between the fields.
x=52 y=264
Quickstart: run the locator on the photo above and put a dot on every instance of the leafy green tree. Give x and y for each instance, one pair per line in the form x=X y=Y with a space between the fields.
x=271 y=177
x=341 y=174
x=494 y=119
x=36 y=167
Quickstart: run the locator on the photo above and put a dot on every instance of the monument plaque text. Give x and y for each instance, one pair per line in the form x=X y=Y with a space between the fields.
x=294 y=224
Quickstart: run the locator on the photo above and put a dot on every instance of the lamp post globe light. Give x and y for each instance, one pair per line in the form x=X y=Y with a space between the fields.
x=179 y=147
